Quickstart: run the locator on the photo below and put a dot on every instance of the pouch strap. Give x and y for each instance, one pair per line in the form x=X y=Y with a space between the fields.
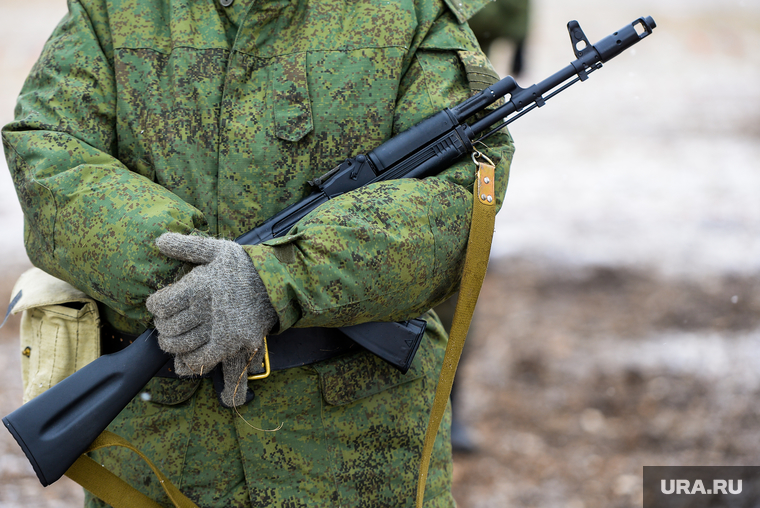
x=475 y=264
x=113 y=490
x=10 y=307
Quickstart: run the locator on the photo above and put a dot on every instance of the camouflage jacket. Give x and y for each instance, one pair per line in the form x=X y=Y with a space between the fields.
x=146 y=116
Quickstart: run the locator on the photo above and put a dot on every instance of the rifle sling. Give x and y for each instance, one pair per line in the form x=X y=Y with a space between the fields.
x=475 y=264
x=112 y=489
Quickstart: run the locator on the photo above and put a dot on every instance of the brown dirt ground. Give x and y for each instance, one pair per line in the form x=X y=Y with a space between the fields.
x=559 y=418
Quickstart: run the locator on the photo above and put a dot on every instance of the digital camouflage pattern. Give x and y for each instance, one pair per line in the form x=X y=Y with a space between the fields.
x=147 y=116
x=346 y=439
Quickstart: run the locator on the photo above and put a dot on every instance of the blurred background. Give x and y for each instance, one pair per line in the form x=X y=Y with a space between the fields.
x=619 y=324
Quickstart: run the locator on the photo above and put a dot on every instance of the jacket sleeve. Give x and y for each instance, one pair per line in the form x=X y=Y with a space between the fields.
x=391 y=250
x=89 y=219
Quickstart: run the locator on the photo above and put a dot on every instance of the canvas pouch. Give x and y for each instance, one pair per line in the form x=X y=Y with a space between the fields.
x=59 y=331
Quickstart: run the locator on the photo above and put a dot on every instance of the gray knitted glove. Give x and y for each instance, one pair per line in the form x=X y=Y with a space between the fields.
x=218 y=313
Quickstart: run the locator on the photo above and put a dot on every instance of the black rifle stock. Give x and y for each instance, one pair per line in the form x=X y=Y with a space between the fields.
x=56 y=427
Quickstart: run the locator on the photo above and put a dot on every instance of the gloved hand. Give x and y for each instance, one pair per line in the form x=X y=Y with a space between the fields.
x=218 y=313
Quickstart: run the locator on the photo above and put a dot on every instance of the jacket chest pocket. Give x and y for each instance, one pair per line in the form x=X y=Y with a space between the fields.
x=290 y=92
x=346 y=98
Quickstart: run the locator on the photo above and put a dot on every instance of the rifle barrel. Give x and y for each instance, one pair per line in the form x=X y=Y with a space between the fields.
x=589 y=59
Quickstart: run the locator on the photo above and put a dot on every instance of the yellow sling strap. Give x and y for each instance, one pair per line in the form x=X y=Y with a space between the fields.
x=112 y=489
x=475 y=264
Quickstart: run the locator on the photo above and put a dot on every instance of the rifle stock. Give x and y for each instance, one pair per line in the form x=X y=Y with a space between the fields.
x=56 y=427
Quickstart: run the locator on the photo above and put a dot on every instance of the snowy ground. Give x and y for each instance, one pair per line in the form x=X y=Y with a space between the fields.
x=624 y=291
x=653 y=162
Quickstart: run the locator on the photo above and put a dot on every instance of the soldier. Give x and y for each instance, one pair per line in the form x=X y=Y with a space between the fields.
x=503 y=19
x=150 y=132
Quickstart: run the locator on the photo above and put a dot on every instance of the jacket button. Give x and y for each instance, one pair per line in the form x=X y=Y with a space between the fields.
x=226 y=3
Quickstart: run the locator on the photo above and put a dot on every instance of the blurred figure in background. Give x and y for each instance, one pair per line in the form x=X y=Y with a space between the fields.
x=500 y=19
x=503 y=19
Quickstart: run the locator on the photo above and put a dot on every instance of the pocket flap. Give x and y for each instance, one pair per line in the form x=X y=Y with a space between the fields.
x=39 y=288
x=292 y=105
x=353 y=377
x=480 y=73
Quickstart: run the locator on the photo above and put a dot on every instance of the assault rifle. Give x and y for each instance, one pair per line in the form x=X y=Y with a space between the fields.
x=56 y=427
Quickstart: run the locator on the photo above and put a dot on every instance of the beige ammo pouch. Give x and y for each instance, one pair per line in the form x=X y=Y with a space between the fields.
x=60 y=330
